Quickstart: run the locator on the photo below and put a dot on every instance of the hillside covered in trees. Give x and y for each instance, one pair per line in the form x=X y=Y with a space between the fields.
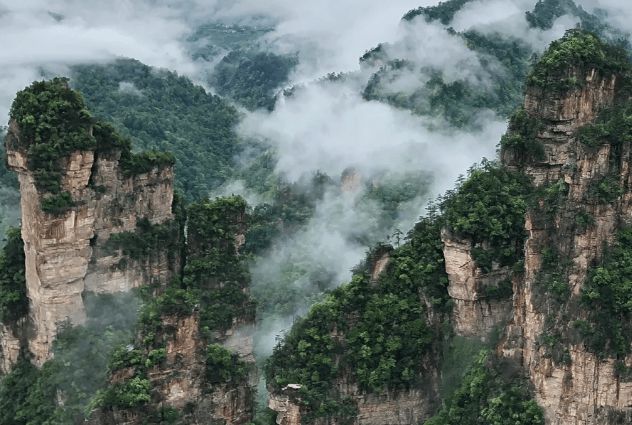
x=316 y=262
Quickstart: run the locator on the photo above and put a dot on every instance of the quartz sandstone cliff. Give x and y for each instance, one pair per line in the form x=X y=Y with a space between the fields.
x=473 y=314
x=180 y=380
x=66 y=254
x=581 y=389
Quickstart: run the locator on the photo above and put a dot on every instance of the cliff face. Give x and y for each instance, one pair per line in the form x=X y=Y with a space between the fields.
x=195 y=343
x=399 y=408
x=65 y=253
x=545 y=226
x=100 y=220
x=579 y=387
x=180 y=382
x=474 y=314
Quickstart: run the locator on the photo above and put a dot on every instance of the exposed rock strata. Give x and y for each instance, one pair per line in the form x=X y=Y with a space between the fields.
x=402 y=408
x=473 y=314
x=179 y=383
x=583 y=387
x=65 y=254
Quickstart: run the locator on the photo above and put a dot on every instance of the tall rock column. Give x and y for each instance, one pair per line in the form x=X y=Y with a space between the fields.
x=57 y=248
x=76 y=192
x=572 y=384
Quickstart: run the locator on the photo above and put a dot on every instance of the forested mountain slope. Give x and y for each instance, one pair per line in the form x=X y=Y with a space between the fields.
x=531 y=249
x=134 y=294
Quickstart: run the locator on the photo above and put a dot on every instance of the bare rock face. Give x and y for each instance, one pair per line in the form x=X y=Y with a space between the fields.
x=402 y=408
x=65 y=253
x=581 y=389
x=11 y=343
x=473 y=314
x=285 y=405
x=179 y=382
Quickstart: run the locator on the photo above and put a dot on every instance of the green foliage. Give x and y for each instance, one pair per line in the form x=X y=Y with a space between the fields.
x=29 y=396
x=289 y=207
x=53 y=122
x=58 y=203
x=215 y=271
x=605 y=190
x=577 y=50
x=443 y=12
x=489 y=208
x=13 y=300
x=554 y=346
x=108 y=139
x=223 y=367
x=133 y=164
x=375 y=332
x=393 y=191
x=613 y=126
x=214 y=285
x=459 y=354
x=521 y=138
x=607 y=297
x=130 y=393
x=584 y=221
x=147 y=239
x=502 y=291
x=50 y=113
x=9 y=192
x=14 y=390
x=160 y=110
x=592 y=135
x=552 y=279
x=490 y=395
x=251 y=78
x=505 y=60
x=212 y=40
x=546 y=12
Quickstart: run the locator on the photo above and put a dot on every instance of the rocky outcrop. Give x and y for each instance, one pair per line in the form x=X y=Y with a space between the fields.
x=12 y=340
x=285 y=405
x=579 y=388
x=65 y=253
x=401 y=408
x=206 y=372
x=179 y=382
x=474 y=313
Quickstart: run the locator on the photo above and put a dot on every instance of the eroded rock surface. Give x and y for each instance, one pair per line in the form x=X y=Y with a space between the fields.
x=66 y=254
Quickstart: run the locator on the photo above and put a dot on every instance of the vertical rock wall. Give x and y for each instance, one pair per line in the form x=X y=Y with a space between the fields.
x=473 y=314
x=580 y=389
x=65 y=255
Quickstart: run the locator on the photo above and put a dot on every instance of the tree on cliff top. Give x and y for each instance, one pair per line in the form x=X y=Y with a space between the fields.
x=578 y=49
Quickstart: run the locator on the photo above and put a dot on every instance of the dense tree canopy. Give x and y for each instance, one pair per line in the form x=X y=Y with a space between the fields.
x=160 y=110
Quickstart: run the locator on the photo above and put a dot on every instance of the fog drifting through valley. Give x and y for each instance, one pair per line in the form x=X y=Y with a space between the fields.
x=323 y=126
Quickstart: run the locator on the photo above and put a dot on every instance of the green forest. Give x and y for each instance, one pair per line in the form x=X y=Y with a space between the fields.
x=390 y=330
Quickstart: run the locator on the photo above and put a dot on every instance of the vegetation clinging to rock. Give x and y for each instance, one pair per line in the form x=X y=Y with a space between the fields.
x=488 y=208
x=581 y=51
x=13 y=300
x=490 y=394
x=376 y=332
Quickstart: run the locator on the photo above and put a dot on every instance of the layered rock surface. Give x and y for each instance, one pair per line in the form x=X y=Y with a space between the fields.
x=179 y=383
x=473 y=314
x=66 y=254
x=581 y=388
